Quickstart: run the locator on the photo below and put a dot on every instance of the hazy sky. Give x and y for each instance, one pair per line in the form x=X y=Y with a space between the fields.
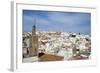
x=57 y=21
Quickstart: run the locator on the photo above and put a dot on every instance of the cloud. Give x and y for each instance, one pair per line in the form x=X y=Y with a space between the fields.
x=28 y=22
x=58 y=21
x=70 y=19
x=42 y=21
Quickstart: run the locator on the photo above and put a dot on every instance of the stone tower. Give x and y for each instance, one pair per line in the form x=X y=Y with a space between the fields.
x=34 y=48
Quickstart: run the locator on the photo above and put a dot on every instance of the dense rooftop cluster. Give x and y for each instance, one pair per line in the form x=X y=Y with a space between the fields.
x=71 y=46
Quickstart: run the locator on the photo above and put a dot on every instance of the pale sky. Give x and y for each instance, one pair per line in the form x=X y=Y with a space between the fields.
x=57 y=21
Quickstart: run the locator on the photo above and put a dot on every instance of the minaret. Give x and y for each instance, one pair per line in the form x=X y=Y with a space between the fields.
x=34 y=49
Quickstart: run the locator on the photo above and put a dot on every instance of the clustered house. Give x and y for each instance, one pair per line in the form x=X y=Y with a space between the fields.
x=55 y=46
